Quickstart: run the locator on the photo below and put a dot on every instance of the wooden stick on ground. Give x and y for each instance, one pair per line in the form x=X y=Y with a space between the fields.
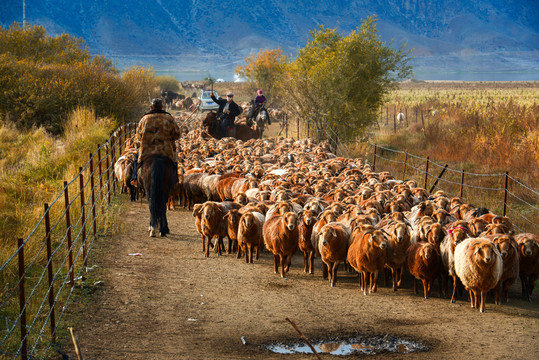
x=304 y=338
x=74 y=339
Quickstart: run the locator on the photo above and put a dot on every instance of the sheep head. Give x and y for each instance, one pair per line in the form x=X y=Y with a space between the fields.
x=484 y=252
x=529 y=248
x=504 y=244
x=400 y=232
x=428 y=250
x=308 y=217
x=290 y=220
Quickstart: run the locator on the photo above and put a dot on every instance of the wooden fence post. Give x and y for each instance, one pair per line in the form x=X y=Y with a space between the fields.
x=69 y=240
x=100 y=172
x=107 y=164
x=93 y=194
x=374 y=159
x=112 y=162
x=426 y=173
x=461 y=183
x=406 y=116
x=50 y=271
x=404 y=166
x=505 y=193
x=22 y=301
x=83 y=217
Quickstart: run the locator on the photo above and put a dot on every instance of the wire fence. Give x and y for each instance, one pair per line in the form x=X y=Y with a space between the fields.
x=500 y=193
x=40 y=277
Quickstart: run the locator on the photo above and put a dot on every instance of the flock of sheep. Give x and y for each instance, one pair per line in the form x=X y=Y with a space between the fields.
x=284 y=195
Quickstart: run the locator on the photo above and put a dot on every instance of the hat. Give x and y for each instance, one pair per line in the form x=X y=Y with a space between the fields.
x=157 y=103
x=230 y=94
x=259 y=92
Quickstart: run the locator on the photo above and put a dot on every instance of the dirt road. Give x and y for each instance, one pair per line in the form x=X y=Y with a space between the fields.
x=172 y=303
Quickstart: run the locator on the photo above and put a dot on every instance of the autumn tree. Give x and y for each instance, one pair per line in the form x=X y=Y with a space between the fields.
x=43 y=78
x=264 y=70
x=337 y=83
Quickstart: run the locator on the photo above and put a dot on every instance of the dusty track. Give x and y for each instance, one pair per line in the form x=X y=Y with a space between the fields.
x=172 y=303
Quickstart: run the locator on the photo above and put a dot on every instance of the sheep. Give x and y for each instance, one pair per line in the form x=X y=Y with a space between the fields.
x=250 y=234
x=479 y=266
x=324 y=218
x=233 y=221
x=213 y=223
x=333 y=247
x=197 y=214
x=123 y=169
x=508 y=248
x=367 y=255
x=305 y=228
x=398 y=241
x=528 y=248
x=423 y=261
x=454 y=236
x=281 y=239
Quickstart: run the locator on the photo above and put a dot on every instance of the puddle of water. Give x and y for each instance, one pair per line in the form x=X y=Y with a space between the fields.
x=350 y=346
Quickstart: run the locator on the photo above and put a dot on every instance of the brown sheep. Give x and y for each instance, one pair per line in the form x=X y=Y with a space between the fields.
x=213 y=223
x=479 y=266
x=281 y=239
x=508 y=248
x=367 y=255
x=333 y=247
x=528 y=248
x=455 y=235
x=398 y=241
x=423 y=261
x=233 y=220
x=305 y=228
x=250 y=234
x=197 y=213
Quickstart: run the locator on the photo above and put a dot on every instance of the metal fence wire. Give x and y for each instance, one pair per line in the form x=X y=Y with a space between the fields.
x=40 y=277
x=501 y=193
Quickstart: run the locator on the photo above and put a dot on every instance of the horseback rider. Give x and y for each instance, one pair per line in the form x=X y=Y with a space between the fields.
x=156 y=133
x=228 y=110
x=258 y=105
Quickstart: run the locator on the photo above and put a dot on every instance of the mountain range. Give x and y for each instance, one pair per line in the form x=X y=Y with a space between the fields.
x=213 y=36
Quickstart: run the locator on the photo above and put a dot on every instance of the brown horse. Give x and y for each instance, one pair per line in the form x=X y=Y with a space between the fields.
x=158 y=178
x=211 y=123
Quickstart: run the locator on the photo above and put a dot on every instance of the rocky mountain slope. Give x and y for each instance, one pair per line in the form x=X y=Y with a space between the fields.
x=457 y=35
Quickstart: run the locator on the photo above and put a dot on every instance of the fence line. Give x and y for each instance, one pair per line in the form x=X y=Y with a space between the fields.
x=523 y=203
x=48 y=267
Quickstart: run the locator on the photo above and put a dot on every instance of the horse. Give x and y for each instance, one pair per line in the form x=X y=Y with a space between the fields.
x=212 y=125
x=158 y=175
x=262 y=117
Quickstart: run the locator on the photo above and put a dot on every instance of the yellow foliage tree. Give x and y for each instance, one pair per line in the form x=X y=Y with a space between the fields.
x=264 y=69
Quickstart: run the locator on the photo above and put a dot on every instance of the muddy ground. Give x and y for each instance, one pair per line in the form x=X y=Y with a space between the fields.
x=172 y=303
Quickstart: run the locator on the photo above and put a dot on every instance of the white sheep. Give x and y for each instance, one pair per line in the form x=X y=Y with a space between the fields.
x=479 y=266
